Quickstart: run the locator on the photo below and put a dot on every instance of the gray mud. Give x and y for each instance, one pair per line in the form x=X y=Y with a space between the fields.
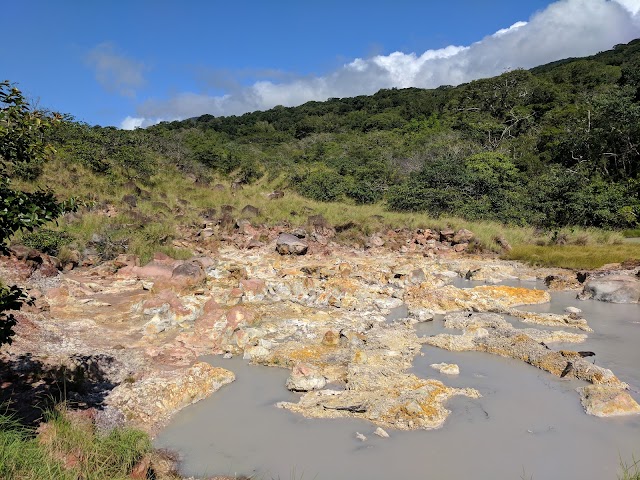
x=528 y=424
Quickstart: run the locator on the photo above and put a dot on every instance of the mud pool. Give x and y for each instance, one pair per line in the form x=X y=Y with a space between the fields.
x=528 y=423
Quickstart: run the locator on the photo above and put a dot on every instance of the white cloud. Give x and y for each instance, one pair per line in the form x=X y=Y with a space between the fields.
x=115 y=72
x=632 y=6
x=131 y=123
x=513 y=27
x=566 y=28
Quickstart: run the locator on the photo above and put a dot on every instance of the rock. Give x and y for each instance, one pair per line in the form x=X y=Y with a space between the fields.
x=331 y=339
x=190 y=271
x=447 y=235
x=219 y=187
x=503 y=243
x=288 y=244
x=460 y=247
x=256 y=353
x=447 y=368
x=463 y=236
x=304 y=378
x=417 y=276
x=254 y=243
x=320 y=226
x=607 y=401
x=381 y=433
x=574 y=310
x=612 y=288
x=299 y=232
x=226 y=221
x=130 y=200
x=275 y=195
x=375 y=241
x=250 y=211
x=207 y=233
x=421 y=314
x=150 y=402
x=361 y=437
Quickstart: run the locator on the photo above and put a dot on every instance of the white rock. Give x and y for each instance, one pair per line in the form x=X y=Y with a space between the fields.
x=361 y=437
x=255 y=352
x=421 y=314
x=572 y=310
x=381 y=433
x=448 y=368
x=388 y=303
x=449 y=274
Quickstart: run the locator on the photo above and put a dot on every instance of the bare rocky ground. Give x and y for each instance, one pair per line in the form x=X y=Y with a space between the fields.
x=124 y=339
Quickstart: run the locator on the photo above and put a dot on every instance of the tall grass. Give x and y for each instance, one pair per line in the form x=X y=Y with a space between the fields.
x=68 y=449
x=630 y=471
x=170 y=202
x=575 y=256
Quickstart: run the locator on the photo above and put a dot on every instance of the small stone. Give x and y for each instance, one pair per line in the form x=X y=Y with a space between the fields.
x=447 y=368
x=573 y=310
x=421 y=314
x=331 y=339
x=381 y=433
x=227 y=355
x=361 y=437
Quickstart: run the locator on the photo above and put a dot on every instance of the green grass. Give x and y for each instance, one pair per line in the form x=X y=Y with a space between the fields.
x=574 y=256
x=630 y=471
x=173 y=203
x=631 y=233
x=88 y=455
x=23 y=457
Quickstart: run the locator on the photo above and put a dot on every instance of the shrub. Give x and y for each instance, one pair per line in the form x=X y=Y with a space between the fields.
x=46 y=240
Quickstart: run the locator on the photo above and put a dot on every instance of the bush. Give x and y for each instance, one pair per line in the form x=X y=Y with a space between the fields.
x=46 y=241
x=323 y=186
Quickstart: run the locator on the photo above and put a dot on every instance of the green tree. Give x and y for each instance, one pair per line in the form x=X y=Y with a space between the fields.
x=22 y=153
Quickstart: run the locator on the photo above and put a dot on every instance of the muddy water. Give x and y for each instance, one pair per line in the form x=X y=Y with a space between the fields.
x=528 y=424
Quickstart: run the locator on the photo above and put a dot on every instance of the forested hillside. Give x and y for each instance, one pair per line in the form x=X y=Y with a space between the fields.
x=553 y=146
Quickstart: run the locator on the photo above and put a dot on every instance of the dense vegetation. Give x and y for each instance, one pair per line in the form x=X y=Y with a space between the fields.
x=553 y=150
x=556 y=145
x=23 y=150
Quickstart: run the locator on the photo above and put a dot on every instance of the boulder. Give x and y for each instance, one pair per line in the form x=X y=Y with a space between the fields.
x=130 y=200
x=375 y=241
x=612 y=288
x=250 y=211
x=463 y=236
x=275 y=194
x=321 y=226
x=304 y=378
x=189 y=270
x=288 y=244
x=447 y=235
x=607 y=401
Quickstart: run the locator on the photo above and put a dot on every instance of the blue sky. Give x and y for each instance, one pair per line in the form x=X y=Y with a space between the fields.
x=131 y=63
